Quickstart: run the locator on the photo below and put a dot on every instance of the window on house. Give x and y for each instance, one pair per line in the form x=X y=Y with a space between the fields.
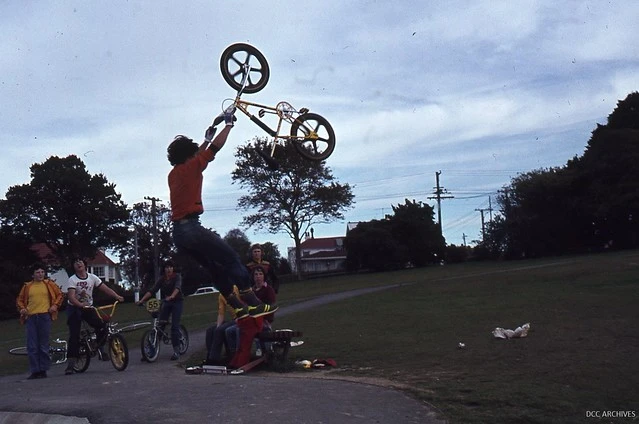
x=111 y=273
x=99 y=271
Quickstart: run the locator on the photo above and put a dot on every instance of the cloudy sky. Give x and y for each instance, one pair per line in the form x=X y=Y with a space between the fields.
x=479 y=90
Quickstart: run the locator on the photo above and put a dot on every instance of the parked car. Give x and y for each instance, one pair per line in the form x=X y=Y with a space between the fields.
x=204 y=290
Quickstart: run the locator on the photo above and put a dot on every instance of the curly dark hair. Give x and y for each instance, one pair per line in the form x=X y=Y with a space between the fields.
x=180 y=149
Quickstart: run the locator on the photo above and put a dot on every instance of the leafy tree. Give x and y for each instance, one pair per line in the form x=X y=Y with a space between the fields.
x=294 y=197
x=16 y=258
x=457 y=254
x=73 y=212
x=271 y=253
x=590 y=204
x=373 y=246
x=414 y=227
x=141 y=237
x=239 y=242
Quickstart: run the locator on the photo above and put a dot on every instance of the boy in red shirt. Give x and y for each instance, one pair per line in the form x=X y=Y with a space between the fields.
x=185 y=186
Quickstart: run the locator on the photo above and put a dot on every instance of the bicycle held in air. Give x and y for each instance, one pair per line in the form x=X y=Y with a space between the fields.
x=246 y=70
x=117 y=349
x=153 y=339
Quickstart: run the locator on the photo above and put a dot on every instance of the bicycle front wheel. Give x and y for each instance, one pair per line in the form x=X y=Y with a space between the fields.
x=184 y=340
x=22 y=350
x=118 y=352
x=242 y=63
x=313 y=136
x=150 y=346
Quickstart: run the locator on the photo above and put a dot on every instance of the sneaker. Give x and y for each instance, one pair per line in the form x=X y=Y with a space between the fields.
x=175 y=356
x=42 y=374
x=261 y=310
x=241 y=313
x=34 y=376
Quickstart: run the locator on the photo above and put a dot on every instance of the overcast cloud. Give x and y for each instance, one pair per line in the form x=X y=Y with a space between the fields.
x=479 y=90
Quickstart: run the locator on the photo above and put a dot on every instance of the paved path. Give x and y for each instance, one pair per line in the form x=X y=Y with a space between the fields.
x=162 y=392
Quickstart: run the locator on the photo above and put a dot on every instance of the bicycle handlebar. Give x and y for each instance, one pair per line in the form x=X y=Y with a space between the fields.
x=104 y=316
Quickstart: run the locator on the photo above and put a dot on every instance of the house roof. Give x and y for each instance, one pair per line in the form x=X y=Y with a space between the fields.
x=323 y=243
x=325 y=254
x=47 y=256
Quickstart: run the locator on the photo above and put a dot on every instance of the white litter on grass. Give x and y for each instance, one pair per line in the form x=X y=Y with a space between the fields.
x=502 y=333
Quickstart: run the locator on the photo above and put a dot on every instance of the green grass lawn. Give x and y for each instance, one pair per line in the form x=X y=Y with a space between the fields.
x=581 y=354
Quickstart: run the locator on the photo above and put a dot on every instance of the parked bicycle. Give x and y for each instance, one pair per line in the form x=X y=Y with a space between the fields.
x=57 y=351
x=153 y=339
x=246 y=70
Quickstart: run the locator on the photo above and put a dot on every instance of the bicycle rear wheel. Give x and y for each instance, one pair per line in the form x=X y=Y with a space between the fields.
x=150 y=346
x=184 y=340
x=83 y=360
x=313 y=136
x=22 y=350
x=241 y=60
x=118 y=352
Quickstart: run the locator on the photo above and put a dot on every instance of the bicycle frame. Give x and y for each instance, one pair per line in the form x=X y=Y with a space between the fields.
x=283 y=110
x=118 y=350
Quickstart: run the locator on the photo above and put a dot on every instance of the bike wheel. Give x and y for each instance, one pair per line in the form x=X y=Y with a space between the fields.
x=184 y=340
x=312 y=136
x=239 y=61
x=150 y=346
x=84 y=359
x=118 y=352
x=18 y=350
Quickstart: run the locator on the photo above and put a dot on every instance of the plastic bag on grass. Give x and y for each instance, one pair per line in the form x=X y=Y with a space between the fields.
x=502 y=333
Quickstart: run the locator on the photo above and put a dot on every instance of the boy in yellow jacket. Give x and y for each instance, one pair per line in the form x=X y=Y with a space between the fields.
x=38 y=304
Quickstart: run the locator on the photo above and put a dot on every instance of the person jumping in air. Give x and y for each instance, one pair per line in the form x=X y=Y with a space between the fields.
x=207 y=248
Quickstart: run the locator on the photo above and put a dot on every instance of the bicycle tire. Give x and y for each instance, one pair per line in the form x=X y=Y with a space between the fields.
x=150 y=346
x=184 y=340
x=313 y=136
x=84 y=359
x=22 y=350
x=232 y=62
x=118 y=352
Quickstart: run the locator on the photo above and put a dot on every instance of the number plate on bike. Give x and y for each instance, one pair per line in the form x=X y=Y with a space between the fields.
x=153 y=305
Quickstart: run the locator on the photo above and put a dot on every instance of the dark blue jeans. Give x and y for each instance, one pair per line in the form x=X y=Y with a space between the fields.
x=38 y=331
x=75 y=316
x=213 y=253
x=173 y=309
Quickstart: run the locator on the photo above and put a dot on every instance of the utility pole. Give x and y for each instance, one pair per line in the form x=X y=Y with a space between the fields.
x=156 y=253
x=440 y=193
x=490 y=209
x=464 y=238
x=137 y=266
x=483 y=228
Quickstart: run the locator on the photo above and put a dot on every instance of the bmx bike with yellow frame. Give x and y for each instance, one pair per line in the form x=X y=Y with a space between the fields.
x=246 y=70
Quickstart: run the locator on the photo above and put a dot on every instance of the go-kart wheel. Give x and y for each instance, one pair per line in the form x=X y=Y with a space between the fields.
x=241 y=60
